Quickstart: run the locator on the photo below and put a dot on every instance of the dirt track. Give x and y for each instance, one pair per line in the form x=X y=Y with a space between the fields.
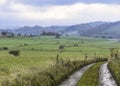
x=106 y=78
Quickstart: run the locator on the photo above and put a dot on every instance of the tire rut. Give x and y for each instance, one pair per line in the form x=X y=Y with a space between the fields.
x=106 y=78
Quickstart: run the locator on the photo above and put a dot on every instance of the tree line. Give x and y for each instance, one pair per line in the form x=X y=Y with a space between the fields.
x=11 y=34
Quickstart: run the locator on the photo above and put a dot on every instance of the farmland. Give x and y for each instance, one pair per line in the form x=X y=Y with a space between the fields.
x=39 y=53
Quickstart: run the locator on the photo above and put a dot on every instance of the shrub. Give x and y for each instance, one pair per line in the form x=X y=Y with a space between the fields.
x=61 y=47
x=14 y=52
x=58 y=42
x=25 y=44
x=5 y=48
x=76 y=45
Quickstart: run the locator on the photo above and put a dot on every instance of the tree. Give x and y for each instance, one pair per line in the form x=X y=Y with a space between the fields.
x=19 y=35
x=57 y=35
x=43 y=33
x=12 y=35
x=4 y=33
x=31 y=35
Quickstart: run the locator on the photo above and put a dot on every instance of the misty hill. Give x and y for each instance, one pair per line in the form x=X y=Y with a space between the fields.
x=109 y=30
x=97 y=29
x=64 y=30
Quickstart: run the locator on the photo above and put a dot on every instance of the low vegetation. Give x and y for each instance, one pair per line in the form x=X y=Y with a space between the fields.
x=15 y=52
x=48 y=57
x=114 y=66
x=91 y=76
x=52 y=76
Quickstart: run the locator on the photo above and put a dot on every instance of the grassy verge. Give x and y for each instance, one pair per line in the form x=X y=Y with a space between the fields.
x=51 y=76
x=91 y=76
x=114 y=67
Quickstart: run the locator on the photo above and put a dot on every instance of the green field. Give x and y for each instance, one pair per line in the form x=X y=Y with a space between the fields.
x=39 y=53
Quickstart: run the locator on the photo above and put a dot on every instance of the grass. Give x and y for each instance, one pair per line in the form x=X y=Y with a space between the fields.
x=114 y=66
x=40 y=53
x=91 y=76
x=51 y=76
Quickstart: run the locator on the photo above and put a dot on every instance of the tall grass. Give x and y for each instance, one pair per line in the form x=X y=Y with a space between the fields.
x=114 y=66
x=51 y=76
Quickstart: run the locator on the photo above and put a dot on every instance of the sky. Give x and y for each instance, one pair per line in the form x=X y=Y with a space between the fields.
x=57 y=12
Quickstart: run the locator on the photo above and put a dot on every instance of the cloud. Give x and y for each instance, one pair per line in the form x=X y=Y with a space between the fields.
x=2 y=2
x=58 y=14
x=65 y=2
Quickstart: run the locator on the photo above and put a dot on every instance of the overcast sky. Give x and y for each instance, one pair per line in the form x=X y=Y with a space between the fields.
x=57 y=12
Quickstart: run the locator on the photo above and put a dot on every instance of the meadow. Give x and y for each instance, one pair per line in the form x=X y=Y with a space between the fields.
x=39 y=53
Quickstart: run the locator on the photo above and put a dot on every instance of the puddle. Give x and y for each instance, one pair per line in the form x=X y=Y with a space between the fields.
x=106 y=78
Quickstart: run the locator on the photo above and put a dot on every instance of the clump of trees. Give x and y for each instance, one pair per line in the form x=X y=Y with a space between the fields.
x=3 y=33
x=57 y=35
x=7 y=34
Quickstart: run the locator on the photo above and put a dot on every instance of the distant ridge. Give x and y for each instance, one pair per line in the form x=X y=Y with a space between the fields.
x=95 y=29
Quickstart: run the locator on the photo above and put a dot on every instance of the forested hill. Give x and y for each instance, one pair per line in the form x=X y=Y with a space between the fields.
x=97 y=29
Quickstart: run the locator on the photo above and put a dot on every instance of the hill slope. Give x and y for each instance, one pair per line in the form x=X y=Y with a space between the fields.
x=110 y=30
x=97 y=29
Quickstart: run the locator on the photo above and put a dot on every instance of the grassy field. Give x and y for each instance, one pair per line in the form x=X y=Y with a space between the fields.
x=40 y=52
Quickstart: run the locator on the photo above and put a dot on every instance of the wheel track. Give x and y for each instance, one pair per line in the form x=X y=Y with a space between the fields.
x=106 y=78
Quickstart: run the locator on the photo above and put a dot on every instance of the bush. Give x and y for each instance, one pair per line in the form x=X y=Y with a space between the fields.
x=61 y=47
x=25 y=44
x=58 y=42
x=75 y=45
x=14 y=52
x=5 y=48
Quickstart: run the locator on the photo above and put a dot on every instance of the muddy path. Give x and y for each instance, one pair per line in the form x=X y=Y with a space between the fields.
x=75 y=77
x=106 y=78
